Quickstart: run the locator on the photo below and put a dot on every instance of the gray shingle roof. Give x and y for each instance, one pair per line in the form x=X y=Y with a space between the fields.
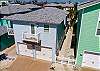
x=63 y=5
x=30 y=6
x=13 y=8
x=3 y=30
x=45 y=15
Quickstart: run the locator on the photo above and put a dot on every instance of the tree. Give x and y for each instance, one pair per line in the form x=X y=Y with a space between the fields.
x=73 y=15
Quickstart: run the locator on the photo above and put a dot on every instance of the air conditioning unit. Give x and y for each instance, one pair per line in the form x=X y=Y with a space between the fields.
x=10 y=31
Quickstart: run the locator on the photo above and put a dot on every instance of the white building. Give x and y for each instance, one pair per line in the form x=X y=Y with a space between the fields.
x=40 y=33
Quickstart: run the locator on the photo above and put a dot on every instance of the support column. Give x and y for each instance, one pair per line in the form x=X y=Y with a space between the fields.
x=17 y=48
x=34 y=51
x=53 y=55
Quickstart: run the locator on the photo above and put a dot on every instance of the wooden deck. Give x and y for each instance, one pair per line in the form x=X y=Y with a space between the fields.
x=23 y=63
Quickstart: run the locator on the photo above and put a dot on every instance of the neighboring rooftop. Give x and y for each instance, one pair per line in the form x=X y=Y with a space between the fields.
x=46 y=15
x=56 y=5
x=88 y=3
x=3 y=0
x=3 y=30
x=17 y=8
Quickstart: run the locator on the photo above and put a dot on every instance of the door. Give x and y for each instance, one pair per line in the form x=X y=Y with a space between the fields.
x=91 y=59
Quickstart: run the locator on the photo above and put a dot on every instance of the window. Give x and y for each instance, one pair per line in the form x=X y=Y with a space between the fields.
x=46 y=28
x=98 y=32
x=98 y=29
x=32 y=29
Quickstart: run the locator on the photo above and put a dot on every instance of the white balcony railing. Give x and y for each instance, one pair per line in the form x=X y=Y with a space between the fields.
x=31 y=37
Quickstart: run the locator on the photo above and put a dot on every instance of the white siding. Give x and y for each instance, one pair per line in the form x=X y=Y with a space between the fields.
x=19 y=30
x=48 y=39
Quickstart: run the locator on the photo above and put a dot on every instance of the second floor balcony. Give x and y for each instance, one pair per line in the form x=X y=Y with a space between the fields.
x=31 y=38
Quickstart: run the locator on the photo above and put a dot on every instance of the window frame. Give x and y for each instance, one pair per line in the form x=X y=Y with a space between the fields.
x=96 y=33
x=32 y=29
x=46 y=27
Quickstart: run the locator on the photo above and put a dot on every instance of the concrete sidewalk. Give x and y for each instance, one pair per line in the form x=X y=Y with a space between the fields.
x=66 y=51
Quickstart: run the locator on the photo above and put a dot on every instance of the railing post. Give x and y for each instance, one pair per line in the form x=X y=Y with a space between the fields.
x=38 y=37
x=34 y=52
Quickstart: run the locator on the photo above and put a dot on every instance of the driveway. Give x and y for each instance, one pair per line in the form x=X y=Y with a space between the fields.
x=23 y=63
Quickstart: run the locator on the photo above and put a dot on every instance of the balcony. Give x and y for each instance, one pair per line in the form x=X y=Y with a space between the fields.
x=31 y=38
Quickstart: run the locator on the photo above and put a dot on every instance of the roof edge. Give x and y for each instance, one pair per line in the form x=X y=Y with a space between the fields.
x=87 y=4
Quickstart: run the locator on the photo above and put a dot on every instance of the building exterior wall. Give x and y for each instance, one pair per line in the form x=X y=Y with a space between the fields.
x=48 y=39
x=99 y=42
x=60 y=34
x=18 y=31
x=87 y=39
x=78 y=25
x=5 y=40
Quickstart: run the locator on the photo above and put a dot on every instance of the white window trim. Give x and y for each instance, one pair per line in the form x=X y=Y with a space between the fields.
x=47 y=29
x=97 y=26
